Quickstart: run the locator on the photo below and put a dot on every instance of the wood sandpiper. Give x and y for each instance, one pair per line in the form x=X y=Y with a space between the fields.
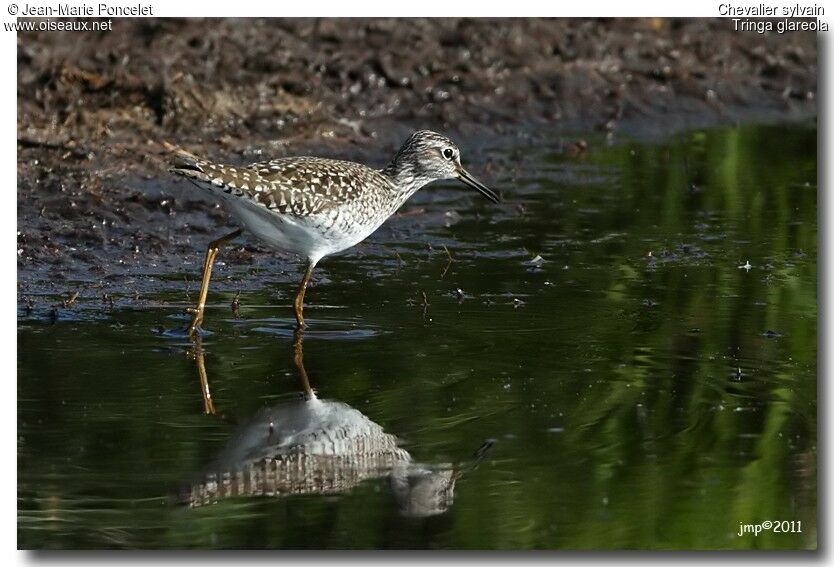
x=315 y=207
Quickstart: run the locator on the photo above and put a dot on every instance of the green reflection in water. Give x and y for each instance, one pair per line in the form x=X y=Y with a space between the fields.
x=642 y=389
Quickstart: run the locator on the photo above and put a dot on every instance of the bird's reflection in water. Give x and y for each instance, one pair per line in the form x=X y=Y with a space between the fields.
x=317 y=446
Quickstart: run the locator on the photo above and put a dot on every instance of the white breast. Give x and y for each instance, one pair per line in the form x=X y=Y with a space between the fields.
x=283 y=232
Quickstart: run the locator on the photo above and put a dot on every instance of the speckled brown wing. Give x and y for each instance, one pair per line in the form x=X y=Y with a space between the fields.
x=308 y=185
x=299 y=186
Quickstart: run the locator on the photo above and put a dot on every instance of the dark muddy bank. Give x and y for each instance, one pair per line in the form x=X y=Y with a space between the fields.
x=95 y=204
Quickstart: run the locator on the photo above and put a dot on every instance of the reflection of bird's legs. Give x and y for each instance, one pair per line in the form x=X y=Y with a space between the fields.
x=208 y=263
x=298 y=359
x=200 y=357
x=298 y=304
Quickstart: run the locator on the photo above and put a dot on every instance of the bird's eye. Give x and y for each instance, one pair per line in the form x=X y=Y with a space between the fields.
x=448 y=153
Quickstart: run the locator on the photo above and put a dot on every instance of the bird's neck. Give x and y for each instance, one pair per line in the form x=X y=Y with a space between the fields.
x=404 y=179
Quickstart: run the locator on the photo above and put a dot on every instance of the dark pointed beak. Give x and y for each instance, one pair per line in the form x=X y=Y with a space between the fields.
x=464 y=176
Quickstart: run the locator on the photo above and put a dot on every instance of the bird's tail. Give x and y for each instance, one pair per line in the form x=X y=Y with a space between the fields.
x=186 y=164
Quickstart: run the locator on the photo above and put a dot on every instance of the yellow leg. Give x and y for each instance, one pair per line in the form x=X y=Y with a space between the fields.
x=298 y=304
x=298 y=359
x=211 y=256
x=199 y=356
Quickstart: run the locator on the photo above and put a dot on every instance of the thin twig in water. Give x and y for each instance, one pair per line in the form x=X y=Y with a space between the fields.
x=448 y=264
x=425 y=306
x=236 y=305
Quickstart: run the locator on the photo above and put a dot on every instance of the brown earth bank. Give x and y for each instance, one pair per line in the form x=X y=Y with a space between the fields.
x=95 y=202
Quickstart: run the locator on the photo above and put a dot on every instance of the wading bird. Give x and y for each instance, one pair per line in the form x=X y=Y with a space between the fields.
x=315 y=207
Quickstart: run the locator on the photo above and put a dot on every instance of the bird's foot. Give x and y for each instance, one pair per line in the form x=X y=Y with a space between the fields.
x=194 y=329
x=194 y=332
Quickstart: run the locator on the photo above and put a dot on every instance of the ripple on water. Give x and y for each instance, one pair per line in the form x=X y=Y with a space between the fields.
x=326 y=329
x=57 y=314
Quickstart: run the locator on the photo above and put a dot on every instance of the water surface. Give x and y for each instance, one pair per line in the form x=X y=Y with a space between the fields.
x=621 y=356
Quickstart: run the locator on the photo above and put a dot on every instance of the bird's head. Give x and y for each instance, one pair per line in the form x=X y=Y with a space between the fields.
x=427 y=156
